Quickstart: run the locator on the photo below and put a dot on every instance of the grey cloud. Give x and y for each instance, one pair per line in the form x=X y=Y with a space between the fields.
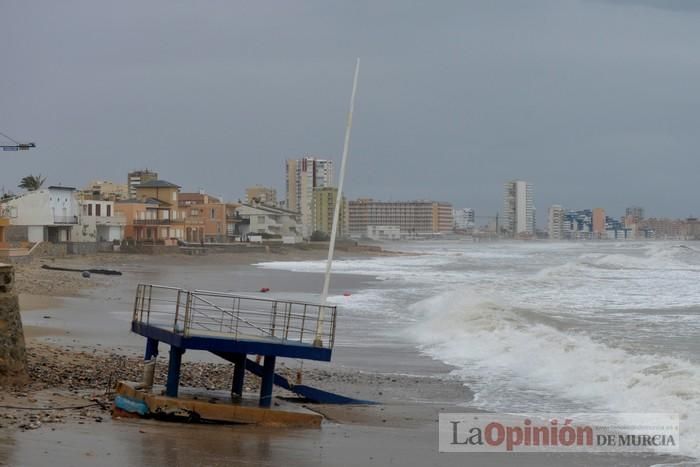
x=595 y=106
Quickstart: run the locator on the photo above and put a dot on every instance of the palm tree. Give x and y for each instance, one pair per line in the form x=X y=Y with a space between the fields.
x=32 y=182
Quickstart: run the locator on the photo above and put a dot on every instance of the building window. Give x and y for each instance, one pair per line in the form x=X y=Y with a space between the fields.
x=213 y=213
x=89 y=209
x=109 y=210
x=98 y=209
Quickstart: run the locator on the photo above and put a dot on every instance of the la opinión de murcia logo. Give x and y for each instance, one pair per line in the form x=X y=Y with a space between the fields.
x=482 y=432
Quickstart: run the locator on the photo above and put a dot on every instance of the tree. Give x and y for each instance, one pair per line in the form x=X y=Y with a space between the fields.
x=32 y=182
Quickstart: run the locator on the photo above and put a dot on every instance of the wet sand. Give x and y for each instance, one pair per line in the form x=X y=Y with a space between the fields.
x=89 y=331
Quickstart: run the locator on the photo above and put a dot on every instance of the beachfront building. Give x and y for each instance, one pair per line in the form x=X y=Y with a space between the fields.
x=635 y=214
x=598 y=224
x=154 y=215
x=104 y=190
x=136 y=178
x=215 y=215
x=267 y=222
x=259 y=194
x=578 y=225
x=43 y=215
x=616 y=230
x=414 y=218
x=323 y=210
x=302 y=176
x=464 y=219
x=518 y=209
x=98 y=222
x=666 y=229
x=555 y=222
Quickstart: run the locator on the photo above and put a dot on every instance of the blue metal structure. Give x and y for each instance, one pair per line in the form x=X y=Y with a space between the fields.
x=233 y=327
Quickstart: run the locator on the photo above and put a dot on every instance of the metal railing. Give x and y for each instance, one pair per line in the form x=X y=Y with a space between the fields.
x=231 y=316
x=152 y=221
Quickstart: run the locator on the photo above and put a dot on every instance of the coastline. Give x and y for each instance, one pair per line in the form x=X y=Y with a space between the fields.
x=69 y=370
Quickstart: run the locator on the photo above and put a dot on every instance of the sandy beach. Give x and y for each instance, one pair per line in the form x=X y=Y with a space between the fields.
x=79 y=345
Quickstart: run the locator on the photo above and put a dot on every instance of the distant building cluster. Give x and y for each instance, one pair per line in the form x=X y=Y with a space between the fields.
x=148 y=209
x=594 y=224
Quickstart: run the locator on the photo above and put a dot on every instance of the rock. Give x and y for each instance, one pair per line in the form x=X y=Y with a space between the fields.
x=13 y=357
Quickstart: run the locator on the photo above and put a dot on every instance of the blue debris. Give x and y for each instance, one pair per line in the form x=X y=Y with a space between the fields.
x=127 y=404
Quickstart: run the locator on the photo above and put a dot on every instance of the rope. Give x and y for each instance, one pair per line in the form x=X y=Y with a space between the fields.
x=14 y=141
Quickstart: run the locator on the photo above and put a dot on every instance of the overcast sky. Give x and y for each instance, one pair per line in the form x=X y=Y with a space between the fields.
x=595 y=102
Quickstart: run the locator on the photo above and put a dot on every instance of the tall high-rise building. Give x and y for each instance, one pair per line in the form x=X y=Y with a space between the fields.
x=138 y=177
x=518 y=208
x=598 y=222
x=303 y=175
x=555 y=222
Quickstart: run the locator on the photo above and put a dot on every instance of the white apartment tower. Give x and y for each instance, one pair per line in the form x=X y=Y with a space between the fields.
x=518 y=208
x=555 y=222
x=303 y=175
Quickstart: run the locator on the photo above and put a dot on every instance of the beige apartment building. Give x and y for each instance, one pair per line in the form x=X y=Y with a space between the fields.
x=414 y=218
x=261 y=194
x=138 y=177
x=105 y=190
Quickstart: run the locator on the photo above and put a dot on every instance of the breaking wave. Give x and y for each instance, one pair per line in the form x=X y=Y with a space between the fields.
x=515 y=361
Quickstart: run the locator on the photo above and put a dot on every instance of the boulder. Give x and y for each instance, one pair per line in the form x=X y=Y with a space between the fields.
x=13 y=358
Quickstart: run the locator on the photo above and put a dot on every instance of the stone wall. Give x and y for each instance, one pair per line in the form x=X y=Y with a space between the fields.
x=13 y=359
x=50 y=249
x=16 y=233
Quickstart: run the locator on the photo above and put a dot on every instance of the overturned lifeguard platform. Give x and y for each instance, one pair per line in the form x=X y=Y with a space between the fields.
x=234 y=327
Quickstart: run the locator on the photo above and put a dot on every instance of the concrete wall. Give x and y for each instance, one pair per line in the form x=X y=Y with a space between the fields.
x=13 y=358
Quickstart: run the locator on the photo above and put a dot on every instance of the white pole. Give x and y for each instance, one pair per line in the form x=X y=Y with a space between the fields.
x=336 y=211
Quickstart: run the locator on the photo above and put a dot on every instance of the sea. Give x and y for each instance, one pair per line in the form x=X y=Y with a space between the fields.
x=540 y=326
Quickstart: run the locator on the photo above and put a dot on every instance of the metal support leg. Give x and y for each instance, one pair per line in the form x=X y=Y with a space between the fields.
x=171 y=386
x=151 y=349
x=267 y=379
x=238 y=374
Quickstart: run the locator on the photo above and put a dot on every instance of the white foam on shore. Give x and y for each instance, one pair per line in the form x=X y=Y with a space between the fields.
x=503 y=346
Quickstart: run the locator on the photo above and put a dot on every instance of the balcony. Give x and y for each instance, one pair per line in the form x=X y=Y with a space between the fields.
x=117 y=219
x=152 y=222
x=70 y=220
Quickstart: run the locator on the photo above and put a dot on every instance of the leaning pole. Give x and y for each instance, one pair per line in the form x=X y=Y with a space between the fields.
x=338 y=201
